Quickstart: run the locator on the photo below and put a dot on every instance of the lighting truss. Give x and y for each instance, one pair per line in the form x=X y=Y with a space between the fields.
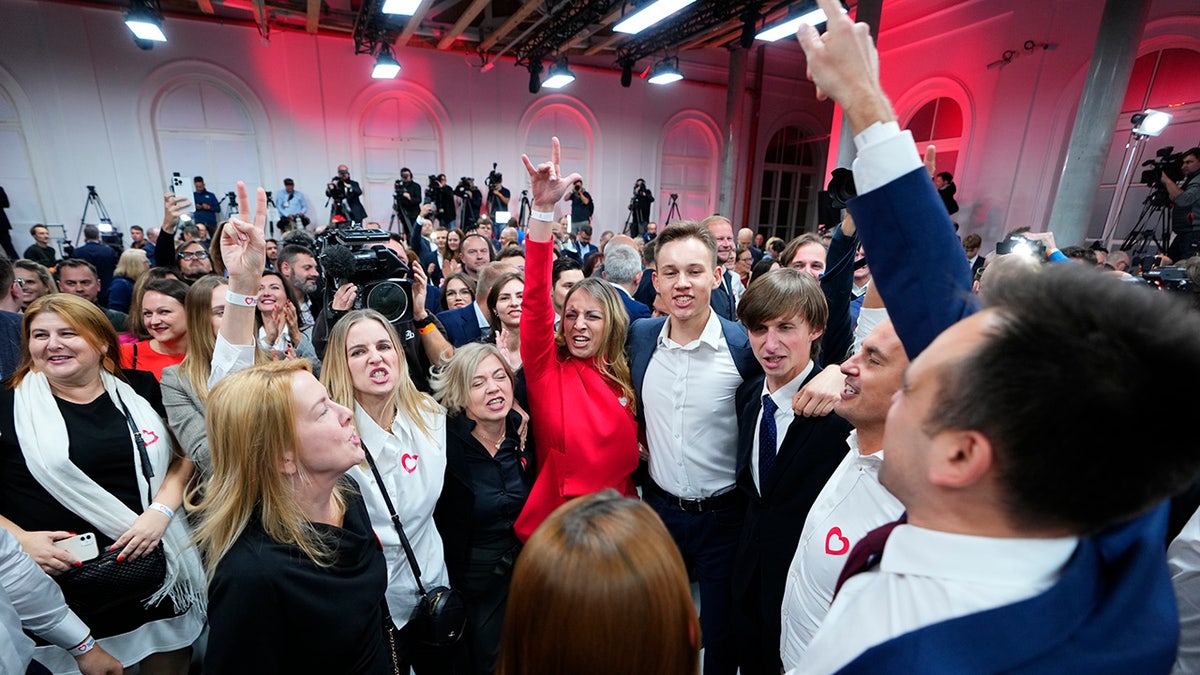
x=697 y=19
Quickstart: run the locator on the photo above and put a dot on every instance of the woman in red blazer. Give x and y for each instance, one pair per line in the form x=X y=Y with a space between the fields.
x=581 y=394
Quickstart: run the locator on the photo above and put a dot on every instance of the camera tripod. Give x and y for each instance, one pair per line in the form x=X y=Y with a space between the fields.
x=672 y=209
x=523 y=213
x=93 y=199
x=1154 y=211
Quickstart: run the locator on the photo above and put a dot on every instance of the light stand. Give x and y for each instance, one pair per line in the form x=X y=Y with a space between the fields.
x=672 y=209
x=1145 y=124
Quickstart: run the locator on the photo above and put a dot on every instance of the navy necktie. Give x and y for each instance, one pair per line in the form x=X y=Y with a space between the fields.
x=767 y=437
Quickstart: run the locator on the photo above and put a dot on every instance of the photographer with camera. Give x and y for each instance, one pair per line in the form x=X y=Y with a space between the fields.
x=293 y=207
x=345 y=194
x=408 y=197
x=497 y=200
x=582 y=206
x=442 y=197
x=639 y=204
x=1185 y=217
x=470 y=200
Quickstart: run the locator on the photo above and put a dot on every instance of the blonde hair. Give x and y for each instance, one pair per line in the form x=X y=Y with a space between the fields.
x=87 y=320
x=42 y=272
x=251 y=421
x=612 y=361
x=452 y=382
x=132 y=264
x=600 y=588
x=335 y=372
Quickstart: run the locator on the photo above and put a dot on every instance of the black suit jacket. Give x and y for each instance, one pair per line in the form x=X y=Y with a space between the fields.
x=811 y=450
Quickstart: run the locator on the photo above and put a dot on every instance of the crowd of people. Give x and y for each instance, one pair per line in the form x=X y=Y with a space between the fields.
x=215 y=453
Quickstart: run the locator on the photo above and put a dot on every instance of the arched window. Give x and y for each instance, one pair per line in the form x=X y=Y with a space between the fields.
x=397 y=132
x=939 y=122
x=689 y=169
x=205 y=130
x=790 y=182
x=16 y=171
x=1163 y=80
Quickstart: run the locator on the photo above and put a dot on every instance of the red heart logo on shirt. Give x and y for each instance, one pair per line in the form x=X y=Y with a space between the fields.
x=405 y=462
x=149 y=437
x=835 y=537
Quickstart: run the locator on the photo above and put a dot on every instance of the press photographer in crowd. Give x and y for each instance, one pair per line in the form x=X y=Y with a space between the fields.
x=345 y=196
x=293 y=207
x=1185 y=217
x=639 y=205
x=470 y=200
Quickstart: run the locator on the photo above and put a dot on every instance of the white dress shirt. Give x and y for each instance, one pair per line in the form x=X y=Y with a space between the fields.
x=783 y=418
x=926 y=577
x=691 y=414
x=1183 y=557
x=851 y=504
x=30 y=599
x=414 y=467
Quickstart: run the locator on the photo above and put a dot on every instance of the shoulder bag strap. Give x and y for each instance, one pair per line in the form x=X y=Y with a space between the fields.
x=147 y=470
x=412 y=558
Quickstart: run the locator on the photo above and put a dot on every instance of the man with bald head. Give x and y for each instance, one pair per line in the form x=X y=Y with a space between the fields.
x=745 y=237
x=342 y=190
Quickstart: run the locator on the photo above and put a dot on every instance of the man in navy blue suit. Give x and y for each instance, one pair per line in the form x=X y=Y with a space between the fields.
x=1032 y=541
x=623 y=269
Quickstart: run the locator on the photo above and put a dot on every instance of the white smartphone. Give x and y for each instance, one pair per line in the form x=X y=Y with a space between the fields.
x=82 y=546
x=178 y=188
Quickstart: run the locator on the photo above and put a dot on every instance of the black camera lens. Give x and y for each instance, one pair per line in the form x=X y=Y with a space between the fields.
x=389 y=299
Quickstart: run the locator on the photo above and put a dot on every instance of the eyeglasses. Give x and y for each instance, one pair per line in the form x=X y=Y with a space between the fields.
x=193 y=255
x=20 y=282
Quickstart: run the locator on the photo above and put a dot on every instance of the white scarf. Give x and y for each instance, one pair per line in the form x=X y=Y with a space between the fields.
x=42 y=435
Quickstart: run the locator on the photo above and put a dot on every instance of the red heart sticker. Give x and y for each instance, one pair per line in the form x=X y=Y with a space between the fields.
x=835 y=538
x=405 y=462
x=149 y=437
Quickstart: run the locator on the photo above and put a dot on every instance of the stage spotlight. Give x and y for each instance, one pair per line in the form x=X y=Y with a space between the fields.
x=386 y=66
x=535 y=77
x=665 y=72
x=652 y=14
x=559 y=76
x=145 y=21
x=1150 y=123
x=812 y=16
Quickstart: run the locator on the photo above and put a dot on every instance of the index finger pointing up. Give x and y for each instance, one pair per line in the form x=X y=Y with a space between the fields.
x=555 y=153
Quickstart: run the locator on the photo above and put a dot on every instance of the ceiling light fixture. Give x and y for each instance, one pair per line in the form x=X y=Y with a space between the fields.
x=650 y=15
x=559 y=75
x=788 y=28
x=665 y=71
x=145 y=21
x=386 y=66
x=405 y=7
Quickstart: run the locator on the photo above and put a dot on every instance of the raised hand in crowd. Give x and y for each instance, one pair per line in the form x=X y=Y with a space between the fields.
x=244 y=251
x=173 y=209
x=844 y=65
x=548 y=187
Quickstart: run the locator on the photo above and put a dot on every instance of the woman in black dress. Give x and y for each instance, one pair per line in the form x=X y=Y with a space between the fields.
x=488 y=477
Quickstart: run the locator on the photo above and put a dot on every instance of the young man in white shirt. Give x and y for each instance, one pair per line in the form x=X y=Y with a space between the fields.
x=687 y=368
x=1031 y=543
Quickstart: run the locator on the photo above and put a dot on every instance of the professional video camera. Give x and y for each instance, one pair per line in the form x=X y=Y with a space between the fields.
x=493 y=178
x=1165 y=161
x=358 y=255
x=1174 y=279
x=463 y=189
x=336 y=190
x=431 y=190
x=1020 y=245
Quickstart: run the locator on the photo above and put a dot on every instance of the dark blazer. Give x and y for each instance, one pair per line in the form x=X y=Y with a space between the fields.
x=462 y=327
x=636 y=309
x=980 y=261
x=721 y=301
x=811 y=450
x=457 y=501
x=643 y=340
x=1111 y=611
x=646 y=292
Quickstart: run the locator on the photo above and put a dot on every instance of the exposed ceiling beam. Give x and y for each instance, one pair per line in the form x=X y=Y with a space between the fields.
x=459 y=26
x=604 y=23
x=718 y=36
x=206 y=6
x=605 y=44
x=513 y=21
x=259 y=8
x=312 y=17
x=413 y=21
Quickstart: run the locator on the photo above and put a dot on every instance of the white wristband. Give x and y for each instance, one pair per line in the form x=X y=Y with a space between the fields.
x=163 y=509
x=239 y=299
x=83 y=647
x=544 y=216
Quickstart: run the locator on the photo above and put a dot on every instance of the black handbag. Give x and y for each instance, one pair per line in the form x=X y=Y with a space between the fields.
x=442 y=612
x=103 y=583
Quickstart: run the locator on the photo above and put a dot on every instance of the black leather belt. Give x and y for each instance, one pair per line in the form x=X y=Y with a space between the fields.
x=728 y=499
